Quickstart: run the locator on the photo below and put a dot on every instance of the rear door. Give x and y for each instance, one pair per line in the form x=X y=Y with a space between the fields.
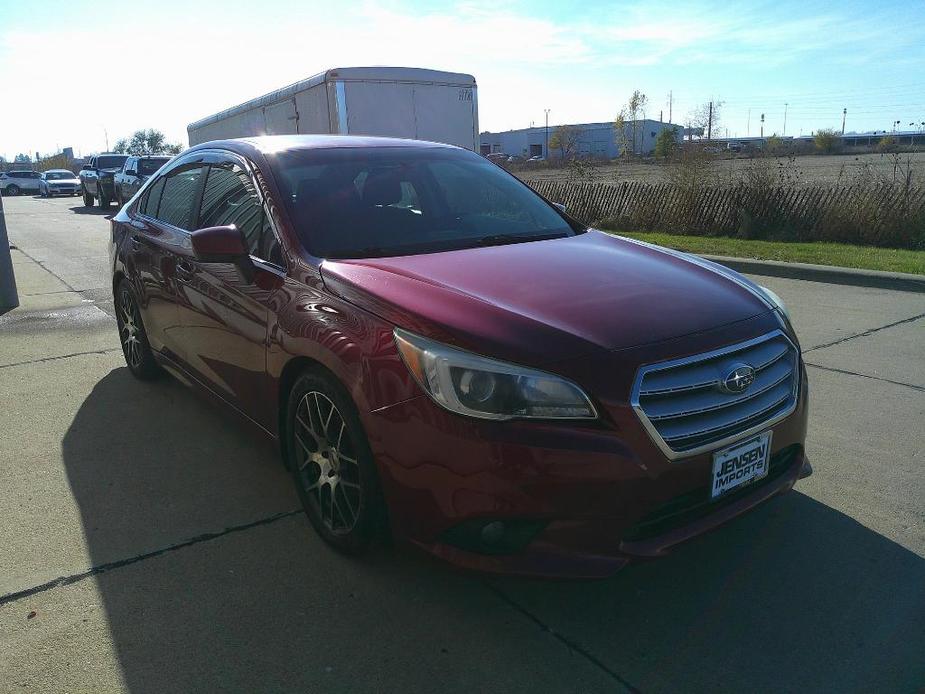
x=445 y=113
x=225 y=313
x=380 y=108
x=158 y=239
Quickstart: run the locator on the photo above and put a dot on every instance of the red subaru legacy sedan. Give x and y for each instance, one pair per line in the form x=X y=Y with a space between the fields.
x=446 y=356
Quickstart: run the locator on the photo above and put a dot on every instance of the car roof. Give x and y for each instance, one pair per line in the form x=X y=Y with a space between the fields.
x=59 y=171
x=269 y=144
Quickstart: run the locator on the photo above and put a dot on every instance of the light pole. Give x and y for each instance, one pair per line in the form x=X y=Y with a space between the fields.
x=844 y=114
x=546 y=149
x=785 y=118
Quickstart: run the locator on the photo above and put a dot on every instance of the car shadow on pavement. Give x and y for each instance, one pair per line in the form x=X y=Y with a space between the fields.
x=794 y=596
x=96 y=211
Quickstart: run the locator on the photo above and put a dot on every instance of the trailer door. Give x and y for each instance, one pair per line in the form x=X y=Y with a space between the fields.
x=281 y=118
x=445 y=113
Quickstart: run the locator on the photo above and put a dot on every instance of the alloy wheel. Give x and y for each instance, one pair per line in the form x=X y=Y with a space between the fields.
x=328 y=465
x=130 y=329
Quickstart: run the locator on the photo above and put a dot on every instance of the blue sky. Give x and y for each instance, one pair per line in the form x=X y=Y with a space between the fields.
x=582 y=60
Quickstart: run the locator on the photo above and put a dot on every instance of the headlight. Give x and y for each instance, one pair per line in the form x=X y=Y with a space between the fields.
x=776 y=301
x=476 y=386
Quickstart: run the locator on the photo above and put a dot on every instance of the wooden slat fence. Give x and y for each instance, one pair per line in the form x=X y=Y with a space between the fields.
x=881 y=214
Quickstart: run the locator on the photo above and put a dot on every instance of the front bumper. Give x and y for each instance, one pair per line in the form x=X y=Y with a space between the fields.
x=63 y=190
x=596 y=496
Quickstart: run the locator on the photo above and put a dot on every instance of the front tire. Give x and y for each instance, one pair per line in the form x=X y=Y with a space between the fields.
x=332 y=464
x=138 y=355
x=12 y=190
x=88 y=199
x=103 y=198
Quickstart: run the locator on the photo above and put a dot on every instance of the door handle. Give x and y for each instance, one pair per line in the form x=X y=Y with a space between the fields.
x=136 y=244
x=184 y=270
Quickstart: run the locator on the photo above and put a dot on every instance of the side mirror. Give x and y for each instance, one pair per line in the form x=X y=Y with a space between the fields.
x=131 y=172
x=85 y=167
x=219 y=245
x=559 y=206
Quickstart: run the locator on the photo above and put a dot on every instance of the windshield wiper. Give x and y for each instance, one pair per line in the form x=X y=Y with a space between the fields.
x=504 y=239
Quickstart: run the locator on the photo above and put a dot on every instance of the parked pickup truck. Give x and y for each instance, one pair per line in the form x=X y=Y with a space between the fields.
x=136 y=171
x=96 y=178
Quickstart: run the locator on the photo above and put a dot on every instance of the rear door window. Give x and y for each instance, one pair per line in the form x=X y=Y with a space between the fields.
x=152 y=198
x=180 y=197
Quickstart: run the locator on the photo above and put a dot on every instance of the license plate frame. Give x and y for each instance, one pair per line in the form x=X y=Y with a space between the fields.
x=740 y=465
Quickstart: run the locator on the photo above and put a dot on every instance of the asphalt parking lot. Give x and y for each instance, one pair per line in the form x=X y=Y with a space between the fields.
x=147 y=543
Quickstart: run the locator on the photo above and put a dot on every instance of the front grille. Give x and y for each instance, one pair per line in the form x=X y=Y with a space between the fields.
x=692 y=506
x=686 y=412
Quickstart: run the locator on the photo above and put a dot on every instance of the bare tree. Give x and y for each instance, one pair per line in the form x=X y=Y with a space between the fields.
x=707 y=117
x=565 y=138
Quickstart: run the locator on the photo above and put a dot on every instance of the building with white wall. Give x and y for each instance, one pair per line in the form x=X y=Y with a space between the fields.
x=590 y=139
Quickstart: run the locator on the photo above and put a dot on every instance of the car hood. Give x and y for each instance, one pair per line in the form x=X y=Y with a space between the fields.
x=541 y=301
x=63 y=181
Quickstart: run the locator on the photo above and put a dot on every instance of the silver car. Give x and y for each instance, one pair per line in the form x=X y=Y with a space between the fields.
x=59 y=182
x=16 y=182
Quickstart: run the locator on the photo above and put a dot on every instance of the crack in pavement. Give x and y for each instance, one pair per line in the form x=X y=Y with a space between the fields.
x=109 y=566
x=63 y=356
x=865 y=333
x=50 y=272
x=874 y=378
x=568 y=643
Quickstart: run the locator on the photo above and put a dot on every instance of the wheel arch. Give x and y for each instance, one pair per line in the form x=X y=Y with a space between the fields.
x=287 y=378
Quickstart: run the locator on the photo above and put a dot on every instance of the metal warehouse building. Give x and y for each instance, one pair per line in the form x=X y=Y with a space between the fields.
x=593 y=139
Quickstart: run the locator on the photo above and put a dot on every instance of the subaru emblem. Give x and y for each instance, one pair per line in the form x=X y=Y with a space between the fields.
x=738 y=379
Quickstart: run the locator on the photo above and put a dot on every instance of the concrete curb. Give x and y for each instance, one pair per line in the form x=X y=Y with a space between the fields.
x=900 y=281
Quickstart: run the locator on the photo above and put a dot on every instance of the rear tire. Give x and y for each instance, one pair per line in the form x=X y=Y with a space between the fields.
x=332 y=464
x=12 y=190
x=138 y=355
x=88 y=199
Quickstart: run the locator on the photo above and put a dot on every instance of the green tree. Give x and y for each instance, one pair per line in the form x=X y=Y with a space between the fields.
x=22 y=159
x=628 y=118
x=666 y=144
x=619 y=131
x=826 y=140
x=887 y=143
x=148 y=141
x=774 y=144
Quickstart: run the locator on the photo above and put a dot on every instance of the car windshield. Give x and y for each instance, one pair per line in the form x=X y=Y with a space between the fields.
x=384 y=201
x=113 y=162
x=146 y=167
x=58 y=175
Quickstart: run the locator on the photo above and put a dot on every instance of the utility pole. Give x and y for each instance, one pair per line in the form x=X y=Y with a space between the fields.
x=106 y=135
x=660 y=114
x=762 y=125
x=785 y=118
x=844 y=114
x=546 y=151
x=710 y=122
x=670 y=103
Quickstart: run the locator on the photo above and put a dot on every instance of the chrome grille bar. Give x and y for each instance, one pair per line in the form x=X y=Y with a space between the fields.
x=684 y=410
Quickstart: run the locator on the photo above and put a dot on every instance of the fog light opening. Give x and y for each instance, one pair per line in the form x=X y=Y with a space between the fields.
x=493 y=536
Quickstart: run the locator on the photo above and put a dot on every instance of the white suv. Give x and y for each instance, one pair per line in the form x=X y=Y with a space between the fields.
x=16 y=182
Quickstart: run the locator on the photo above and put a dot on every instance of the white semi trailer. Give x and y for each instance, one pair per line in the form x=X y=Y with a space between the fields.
x=390 y=101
